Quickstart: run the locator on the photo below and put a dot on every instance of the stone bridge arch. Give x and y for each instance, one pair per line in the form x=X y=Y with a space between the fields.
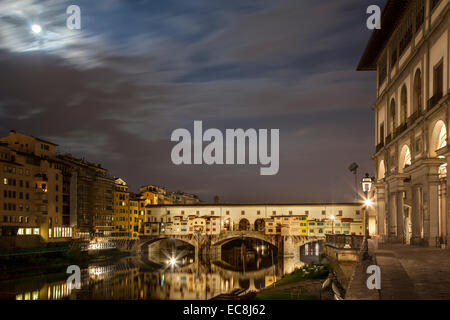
x=149 y=241
x=230 y=236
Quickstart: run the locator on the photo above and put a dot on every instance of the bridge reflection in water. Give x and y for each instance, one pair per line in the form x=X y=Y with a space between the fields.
x=153 y=276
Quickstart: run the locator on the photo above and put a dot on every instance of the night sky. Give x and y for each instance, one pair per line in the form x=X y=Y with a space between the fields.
x=114 y=91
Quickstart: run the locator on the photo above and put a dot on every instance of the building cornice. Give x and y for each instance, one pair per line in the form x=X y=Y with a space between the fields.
x=255 y=204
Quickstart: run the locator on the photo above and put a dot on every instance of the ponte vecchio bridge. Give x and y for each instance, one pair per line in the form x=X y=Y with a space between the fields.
x=286 y=245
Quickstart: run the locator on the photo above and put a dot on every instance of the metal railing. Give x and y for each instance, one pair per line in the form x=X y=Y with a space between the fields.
x=379 y=147
x=433 y=101
x=343 y=241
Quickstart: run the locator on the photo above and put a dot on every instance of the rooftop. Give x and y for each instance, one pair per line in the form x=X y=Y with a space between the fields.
x=390 y=16
x=309 y=204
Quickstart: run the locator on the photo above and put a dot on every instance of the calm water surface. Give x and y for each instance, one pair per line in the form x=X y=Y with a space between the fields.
x=167 y=274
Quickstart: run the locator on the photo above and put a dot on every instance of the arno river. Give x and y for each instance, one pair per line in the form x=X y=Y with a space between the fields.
x=167 y=273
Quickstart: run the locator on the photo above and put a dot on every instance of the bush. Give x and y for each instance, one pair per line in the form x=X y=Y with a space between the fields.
x=74 y=254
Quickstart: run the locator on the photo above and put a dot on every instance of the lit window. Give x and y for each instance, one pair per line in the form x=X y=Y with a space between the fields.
x=36 y=231
x=20 y=231
x=5 y=181
x=28 y=231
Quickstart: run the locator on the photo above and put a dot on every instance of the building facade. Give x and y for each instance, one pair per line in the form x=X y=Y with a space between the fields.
x=31 y=192
x=410 y=54
x=90 y=198
x=121 y=217
x=275 y=219
x=153 y=195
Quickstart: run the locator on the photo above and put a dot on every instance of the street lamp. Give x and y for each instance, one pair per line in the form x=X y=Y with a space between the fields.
x=366 y=183
x=367 y=187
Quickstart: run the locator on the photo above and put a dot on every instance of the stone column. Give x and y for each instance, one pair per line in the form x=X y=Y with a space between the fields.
x=434 y=211
x=431 y=212
x=380 y=209
x=416 y=214
x=197 y=253
x=443 y=217
x=400 y=216
x=392 y=220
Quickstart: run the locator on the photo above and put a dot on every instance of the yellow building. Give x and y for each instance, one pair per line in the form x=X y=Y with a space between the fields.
x=287 y=225
x=316 y=228
x=136 y=218
x=196 y=224
x=271 y=227
x=31 y=192
x=356 y=228
x=121 y=219
x=153 y=195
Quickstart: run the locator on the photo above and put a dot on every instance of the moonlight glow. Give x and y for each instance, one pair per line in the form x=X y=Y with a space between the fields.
x=36 y=28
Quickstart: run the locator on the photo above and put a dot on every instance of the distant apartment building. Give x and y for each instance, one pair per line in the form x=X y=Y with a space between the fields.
x=137 y=214
x=90 y=198
x=121 y=216
x=31 y=192
x=154 y=195
x=410 y=55
x=179 y=197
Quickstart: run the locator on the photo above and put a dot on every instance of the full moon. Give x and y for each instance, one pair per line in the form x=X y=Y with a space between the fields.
x=36 y=28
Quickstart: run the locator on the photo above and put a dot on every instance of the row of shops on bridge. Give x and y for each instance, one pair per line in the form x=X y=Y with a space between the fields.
x=280 y=225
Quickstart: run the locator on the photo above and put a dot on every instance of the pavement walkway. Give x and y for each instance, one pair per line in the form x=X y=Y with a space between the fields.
x=410 y=272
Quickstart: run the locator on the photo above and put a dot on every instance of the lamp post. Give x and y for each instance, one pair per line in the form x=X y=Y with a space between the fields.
x=366 y=186
x=354 y=169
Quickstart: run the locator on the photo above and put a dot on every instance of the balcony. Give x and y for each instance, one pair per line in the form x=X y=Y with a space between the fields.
x=341 y=241
x=413 y=118
x=379 y=147
x=433 y=101
x=41 y=177
x=388 y=139
x=401 y=128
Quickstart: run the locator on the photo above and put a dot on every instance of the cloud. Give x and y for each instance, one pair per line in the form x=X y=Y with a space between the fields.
x=114 y=91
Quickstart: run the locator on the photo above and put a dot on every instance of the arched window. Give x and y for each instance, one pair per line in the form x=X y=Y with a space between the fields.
x=438 y=137
x=260 y=225
x=417 y=92
x=403 y=105
x=392 y=123
x=244 y=225
x=405 y=158
x=381 y=170
x=442 y=137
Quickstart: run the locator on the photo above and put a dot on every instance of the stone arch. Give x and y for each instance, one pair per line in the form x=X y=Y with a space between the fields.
x=438 y=137
x=403 y=105
x=244 y=225
x=227 y=224
x=417 y=91
x=260 y=225
x=146 y=243
x=244 y=283
x=405 y=158
x=381 y=170
x=392 y=122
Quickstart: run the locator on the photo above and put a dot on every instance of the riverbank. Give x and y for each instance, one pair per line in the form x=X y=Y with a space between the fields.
x=302 y=284
x=39 y=265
